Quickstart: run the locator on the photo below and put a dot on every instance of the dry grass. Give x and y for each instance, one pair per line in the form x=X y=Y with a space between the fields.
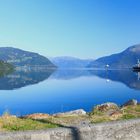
x=68 y=119
x=12 y=123
x=128 y=112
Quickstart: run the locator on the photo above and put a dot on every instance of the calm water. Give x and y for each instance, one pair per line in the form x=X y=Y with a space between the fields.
x=30 y=91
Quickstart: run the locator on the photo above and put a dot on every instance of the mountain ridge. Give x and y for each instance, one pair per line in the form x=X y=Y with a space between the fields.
x=70 y=62
x=19 y=57
x=124 y=59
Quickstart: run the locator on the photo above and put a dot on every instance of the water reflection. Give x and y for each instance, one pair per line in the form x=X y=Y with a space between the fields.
x=65 y=90
x=68 y=74
x=28 y=76
x=23 y=77
x=127 y=77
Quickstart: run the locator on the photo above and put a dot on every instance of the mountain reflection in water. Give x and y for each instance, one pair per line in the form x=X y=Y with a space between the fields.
x=29 y=76
x=127 y=77
x=23 y=77
x=60 y=90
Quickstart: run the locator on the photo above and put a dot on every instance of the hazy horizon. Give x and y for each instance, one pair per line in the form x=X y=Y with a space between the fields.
x=83 y=29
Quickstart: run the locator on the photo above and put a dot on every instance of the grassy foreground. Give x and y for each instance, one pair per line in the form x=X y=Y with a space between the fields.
x=101 y=113
x=124 y=113
x=12 y=123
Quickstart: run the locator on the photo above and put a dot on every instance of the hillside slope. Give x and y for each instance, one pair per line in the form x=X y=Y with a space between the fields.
x=70 y=62
x=20 y=57
x=125 y=59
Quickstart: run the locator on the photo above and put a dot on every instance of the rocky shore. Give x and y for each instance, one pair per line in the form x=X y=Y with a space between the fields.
x=106 y=112
x=100 y=113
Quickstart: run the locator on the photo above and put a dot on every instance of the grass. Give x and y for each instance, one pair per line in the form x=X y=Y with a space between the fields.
x=12 y=123
x=99 y=119
x=128 y=116
x=128 y=112
x=131 y=112
x=68 y=119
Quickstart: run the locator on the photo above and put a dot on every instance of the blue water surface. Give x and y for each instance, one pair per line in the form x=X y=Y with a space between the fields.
x=64 y=90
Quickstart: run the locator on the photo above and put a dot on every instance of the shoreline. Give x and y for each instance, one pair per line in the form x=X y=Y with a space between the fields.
x=76 y=124
x=103 y=113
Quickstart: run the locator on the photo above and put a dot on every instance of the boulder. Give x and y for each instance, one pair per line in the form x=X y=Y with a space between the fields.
x=106 y=107
x=8 y=116
x=74 y=112
x=116 y=114
x=132 y=102
x=37 y=116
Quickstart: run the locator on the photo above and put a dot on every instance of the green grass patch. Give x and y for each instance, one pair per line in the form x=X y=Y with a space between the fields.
x=99 y=119
x=129 y=116
x=18 y=124
x=128 y=112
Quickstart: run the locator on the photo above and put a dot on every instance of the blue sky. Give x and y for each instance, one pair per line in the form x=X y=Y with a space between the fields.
x=81 y=28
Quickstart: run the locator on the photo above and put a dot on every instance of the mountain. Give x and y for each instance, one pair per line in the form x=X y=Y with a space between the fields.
x=70 y=62
x=125 y=59
x=20 y=57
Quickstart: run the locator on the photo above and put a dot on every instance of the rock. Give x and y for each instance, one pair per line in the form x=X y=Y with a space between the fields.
x=8 y=116
x=37 y=116
x=106 y=107
x=74 y=112
x=132 y=102
x=115 y=115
